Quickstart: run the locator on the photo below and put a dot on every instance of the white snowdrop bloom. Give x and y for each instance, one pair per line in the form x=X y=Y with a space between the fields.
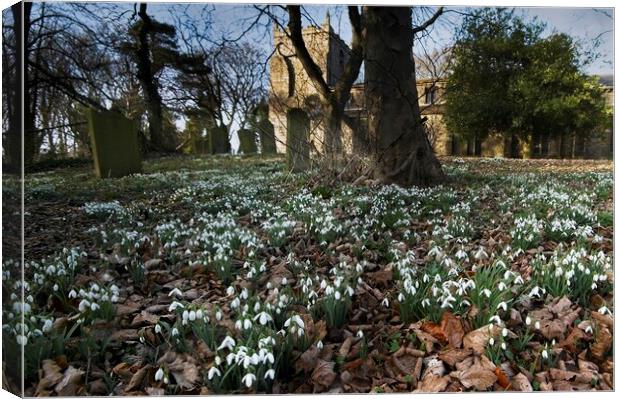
x=157 y=329
x=84 y=304
x=218 y=360
x=589 y=329
x=270 y=374
x=504 y=346
x=213 y=371
x=537 y=325
x=244 y=294
x=230 y=290
x=284 y=281
x=269 y=285
x=47 y=326
x=21 y=340
x=175 y=305
x=199 y=314
x=487 y=292
x=385 y=302
x=256 y=306
x=247 y=324
x=176 y=292
x=528 y=321
x=535 y=292
x=491 y=341
x=175 y=332
x=218 y=315
x=337 y=295
x=263 y=318
x=518 y=280
x=55 y=287
x=501 y=286
x=495 y=319
x=248 y=379
x=230 y=358
x=504 y=332
x=360 y=334
x=159 y=375
x=545 y=355
x=503 y=305
x=192 y=315
x=604 y=309
x=235 y=303
x=228 y=342
x=481 y=254
x=401 y=297
x=185 y=316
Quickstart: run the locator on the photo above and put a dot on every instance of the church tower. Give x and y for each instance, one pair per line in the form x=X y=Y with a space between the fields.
x=289 y=84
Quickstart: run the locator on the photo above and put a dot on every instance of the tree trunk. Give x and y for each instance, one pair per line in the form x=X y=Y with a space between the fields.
x=148 y=81
x=399 y=144
x=21 y=118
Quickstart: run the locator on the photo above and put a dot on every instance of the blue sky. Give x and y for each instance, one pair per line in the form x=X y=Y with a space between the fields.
x=584 y=24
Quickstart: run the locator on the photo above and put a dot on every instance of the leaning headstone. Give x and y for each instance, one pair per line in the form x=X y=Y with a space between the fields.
x=297 y=140
x=267 y=137
x=247 y=141
x=218 y=140
x=114 y=142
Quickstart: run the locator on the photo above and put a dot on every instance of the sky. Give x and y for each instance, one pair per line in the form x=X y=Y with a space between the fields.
x=584 y=24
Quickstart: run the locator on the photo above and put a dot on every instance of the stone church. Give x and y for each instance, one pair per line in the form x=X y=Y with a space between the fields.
x=293 y=96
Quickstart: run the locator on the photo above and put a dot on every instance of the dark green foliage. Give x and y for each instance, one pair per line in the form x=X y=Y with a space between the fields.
x=507 y=78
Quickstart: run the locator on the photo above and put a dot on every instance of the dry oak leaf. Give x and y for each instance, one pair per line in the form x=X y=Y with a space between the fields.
x=521 y=383
x=433 y=383
x=477 y=377
x=382 y=277
x=69 y=385
x=453 y=329
x=51 y=377
x=453 y=356
x=137 y=378
x=477 y=340
x=602 y=343
x=185 y=371
x=323 y=375
x=307 y=361
x=502 y=378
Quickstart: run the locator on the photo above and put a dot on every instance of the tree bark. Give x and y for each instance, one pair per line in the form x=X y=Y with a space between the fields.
x=149 y=84
x=399 y=145
x=21 y=119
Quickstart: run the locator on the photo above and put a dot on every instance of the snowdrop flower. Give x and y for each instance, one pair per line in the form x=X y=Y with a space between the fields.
x=84 y=304
x=319 y=344
x=501 y=286
x=385 y=302
x=545 y=355
x=528 y=321
x=503 y=305
x=228 y=342
x=491 y=341
x=604 y=309
x=199 y=314
x=157 y=329
x=192 y=315
x=284 y=281
x=248 y=379
x=175 y=332
x=360 y=334
x=270 y=374
x=176 y=292
x=495 y=319
x=589 y=329
x=47 y=326
x=218 y=315
x=503 y=345
x=175 y=305
x=537 y=325
x=230 y=290
x=504 y=332
x=263 y=318
x=487 y=292
x=481 y=254
x=213 y=371
x=159 y=375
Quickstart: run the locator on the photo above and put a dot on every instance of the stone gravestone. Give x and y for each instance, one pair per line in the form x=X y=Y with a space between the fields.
x=218 y=140
x=297 y=140
x=247 y=141
x=267 y=137
x=114 y=143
